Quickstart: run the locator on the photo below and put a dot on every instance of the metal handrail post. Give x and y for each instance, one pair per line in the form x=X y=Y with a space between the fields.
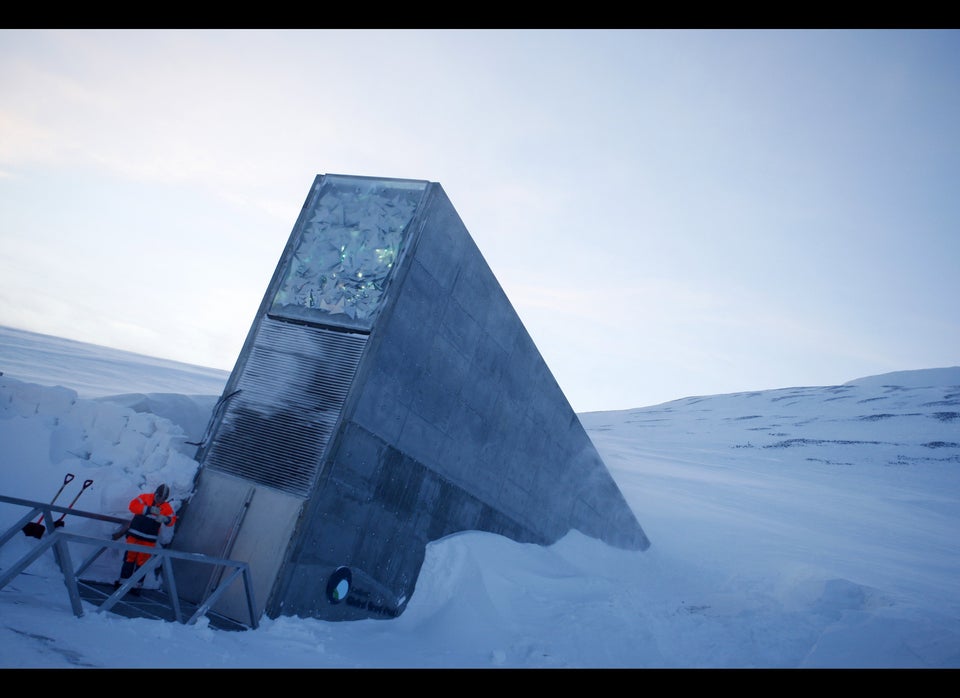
x=61 y=552
x=169 y=582
x=248 y=588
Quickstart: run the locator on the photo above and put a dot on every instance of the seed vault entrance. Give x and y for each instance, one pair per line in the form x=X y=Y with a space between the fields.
x=387 y=395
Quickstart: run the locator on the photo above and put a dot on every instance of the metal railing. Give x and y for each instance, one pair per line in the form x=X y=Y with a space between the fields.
x=57 y=540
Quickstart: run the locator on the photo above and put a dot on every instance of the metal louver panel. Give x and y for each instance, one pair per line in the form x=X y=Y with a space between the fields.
x=291 y=391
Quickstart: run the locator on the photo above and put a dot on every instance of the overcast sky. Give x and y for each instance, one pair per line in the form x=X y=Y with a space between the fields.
x=671 y=213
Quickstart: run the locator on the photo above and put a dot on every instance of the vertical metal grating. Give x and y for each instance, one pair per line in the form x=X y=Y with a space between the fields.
x=291 y=391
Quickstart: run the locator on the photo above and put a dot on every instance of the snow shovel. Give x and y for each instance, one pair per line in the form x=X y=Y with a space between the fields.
x=36 y=528
x=59 y=522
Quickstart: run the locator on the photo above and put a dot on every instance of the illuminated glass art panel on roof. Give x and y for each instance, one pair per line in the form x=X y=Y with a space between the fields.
x=349 y=244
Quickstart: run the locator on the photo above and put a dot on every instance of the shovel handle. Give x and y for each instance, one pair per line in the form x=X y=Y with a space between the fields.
x=86 y=484
x=67 y=479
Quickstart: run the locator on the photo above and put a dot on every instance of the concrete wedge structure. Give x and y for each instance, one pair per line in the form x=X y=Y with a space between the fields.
x=387 y=395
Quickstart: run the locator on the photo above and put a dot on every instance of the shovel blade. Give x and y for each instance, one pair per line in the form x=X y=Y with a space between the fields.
x=35 y=530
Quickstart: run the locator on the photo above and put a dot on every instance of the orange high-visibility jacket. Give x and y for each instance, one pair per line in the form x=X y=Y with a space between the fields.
x=144 y=528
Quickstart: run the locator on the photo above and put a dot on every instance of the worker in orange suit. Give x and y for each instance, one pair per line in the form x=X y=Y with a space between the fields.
x=151 y=511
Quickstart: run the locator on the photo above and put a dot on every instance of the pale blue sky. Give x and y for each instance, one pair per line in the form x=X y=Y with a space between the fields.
x=671 y=213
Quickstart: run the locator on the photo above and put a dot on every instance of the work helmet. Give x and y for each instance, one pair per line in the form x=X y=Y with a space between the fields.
x=162 y=494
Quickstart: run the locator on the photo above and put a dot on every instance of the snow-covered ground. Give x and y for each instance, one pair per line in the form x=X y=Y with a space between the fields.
x=802 y=527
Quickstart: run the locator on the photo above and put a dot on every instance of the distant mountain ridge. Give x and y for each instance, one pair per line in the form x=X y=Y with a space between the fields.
x=97 y=371
x=894 y=420
x=43 y=359
x=920 y=378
